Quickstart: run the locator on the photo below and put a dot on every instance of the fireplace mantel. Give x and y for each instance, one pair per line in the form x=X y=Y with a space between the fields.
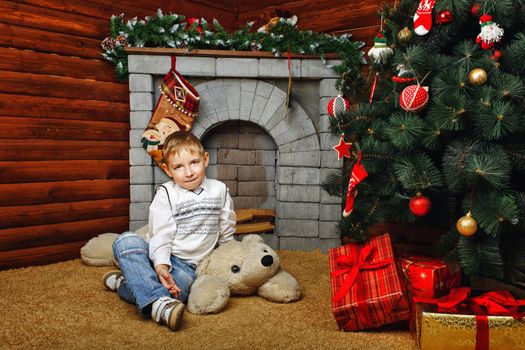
x=250 y=87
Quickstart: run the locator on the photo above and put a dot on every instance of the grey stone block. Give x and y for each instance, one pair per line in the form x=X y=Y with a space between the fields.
x=330 y=212
x=212 y=152
x=263 y=89
x=299 y=243
x=296 y=133
x=298 y=210
x=139 y=211
x=298 y=228
x=329 y=159
x=138 y=156
x=140 y=83
x=278 y=68
x=279 y=115
x=328 y=230
x=326 y=244
x=237 y=67
x=308 y=143
x=141 y=175
x=276 y=100
x=247 y=98
x=299 y=193
x=244 y=202
x=259 y=103
x=256 y=188
x=232 y=93
x=248 y=85
x=135 y=137
x=141 y=101
x=256 y=173
x=256 y=142
x=324 y=122
x=135 y=225
x=323 y=105
x=266 y=203
x=327 y=88
x=198 y=129
x=226 y=172
x=232 y=187
x=265 y=157
x=328 y=141
x=196 y=66
x=298 y=176
x=220 y=140
x=211 y=172
x=139 y=119
x=159 y=176
x=235 y=156
x=271 y=239
x=141 y=193
x=317 y=69
x=326 y=198
x=149 y=64
x=307 y=159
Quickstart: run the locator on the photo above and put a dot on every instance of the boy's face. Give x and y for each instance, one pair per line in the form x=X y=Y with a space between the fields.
x=186 y=169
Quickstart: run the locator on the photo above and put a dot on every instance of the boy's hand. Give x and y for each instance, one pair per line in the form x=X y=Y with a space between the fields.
x=166 y=280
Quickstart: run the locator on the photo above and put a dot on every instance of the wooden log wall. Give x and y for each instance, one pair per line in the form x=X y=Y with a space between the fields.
x=64 y=119
x=64 y=123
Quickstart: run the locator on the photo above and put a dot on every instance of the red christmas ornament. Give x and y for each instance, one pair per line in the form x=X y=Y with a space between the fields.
x=496 y=55
x=191 y=21
x=403 y=80
x=444 y=17
x=414 y=98
x=343 y=148
x=474 y=10
x=337 y=106
x=420 y=205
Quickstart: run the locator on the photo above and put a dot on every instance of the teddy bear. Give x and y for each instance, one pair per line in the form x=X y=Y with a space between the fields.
x=241 y=268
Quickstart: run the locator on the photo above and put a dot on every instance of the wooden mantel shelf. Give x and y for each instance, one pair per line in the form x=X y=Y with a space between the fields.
x=219 y=53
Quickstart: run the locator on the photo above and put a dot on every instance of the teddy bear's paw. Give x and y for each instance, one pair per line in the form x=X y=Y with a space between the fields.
x=281 y=288
x=98 y=250
x=208 y=295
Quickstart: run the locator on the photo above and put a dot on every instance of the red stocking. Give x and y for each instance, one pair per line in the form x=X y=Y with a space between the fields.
x=358 y=174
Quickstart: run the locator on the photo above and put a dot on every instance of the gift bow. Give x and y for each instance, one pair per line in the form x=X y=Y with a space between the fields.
x=348 y=265
x=500 y=303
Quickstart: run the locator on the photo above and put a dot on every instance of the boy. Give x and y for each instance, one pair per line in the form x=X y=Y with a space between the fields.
x=188 y=217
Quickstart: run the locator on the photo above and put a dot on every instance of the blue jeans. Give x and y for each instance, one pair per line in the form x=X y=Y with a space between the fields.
x=141 y=285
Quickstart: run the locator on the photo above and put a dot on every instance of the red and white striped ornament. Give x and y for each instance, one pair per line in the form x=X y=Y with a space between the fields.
x=338 y=106
x=414 y=98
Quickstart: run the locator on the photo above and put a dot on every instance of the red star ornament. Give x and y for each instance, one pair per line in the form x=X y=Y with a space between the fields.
x=343 y=148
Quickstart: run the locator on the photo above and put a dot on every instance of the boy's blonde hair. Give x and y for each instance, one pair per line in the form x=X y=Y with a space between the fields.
x=181 y=140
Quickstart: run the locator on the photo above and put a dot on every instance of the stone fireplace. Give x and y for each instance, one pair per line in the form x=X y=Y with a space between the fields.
x=268 y=158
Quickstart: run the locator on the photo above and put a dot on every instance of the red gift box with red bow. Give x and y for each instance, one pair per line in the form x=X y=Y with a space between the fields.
x=428 y=277
x=367 y=290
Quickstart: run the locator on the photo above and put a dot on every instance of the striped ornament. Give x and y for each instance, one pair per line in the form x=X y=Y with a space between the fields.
x=338 y=106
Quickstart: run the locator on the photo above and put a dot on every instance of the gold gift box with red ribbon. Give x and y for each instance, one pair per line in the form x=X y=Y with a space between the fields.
x=456 y=321
x=427 y=276
x=367 y=290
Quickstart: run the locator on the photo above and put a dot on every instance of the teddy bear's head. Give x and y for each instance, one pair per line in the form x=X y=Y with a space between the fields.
x=244 y=266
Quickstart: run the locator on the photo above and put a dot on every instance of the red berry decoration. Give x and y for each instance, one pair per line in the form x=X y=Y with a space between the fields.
x=420 y=205
x=338 y=106
x=444 y=17
x=191 y=21
x=474 y=10
x=414 y=98
x=496 y=55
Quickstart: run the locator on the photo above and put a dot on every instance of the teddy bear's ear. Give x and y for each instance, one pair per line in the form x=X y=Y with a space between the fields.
x=253 y=239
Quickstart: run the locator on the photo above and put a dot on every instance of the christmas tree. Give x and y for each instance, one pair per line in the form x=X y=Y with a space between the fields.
x=438 y=131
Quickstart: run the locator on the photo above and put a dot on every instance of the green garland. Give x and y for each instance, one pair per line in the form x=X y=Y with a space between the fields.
x=171 y=31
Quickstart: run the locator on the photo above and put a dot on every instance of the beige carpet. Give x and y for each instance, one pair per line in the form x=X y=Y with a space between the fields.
x=65 y=306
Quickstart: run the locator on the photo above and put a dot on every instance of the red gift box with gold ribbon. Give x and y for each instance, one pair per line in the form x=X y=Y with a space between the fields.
x=427 y=276
x=367 y=291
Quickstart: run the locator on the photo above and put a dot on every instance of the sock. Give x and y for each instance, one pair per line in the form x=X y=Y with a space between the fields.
x=423 y=17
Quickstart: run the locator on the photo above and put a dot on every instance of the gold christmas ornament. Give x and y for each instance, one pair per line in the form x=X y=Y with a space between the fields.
x=404 y=36
x=477 y=76
x=466 y=225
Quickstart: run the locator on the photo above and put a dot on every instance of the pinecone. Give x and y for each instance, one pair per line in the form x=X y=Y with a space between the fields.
x=254 y=46
x=122 y=40
x=108 y=44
